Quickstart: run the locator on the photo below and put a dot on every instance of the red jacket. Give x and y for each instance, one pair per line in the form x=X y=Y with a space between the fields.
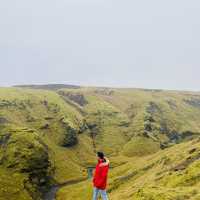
x=100 y=176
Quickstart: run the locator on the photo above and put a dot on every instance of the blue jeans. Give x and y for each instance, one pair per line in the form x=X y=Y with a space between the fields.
x=96 y=192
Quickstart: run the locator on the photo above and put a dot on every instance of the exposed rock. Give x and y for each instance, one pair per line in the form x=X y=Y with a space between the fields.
x=70 y=136
x=83 y=127
x=45 y=102
x=163 y=128
x=192 y=150
x=149 y=121
x=195 y=102
x=70 y=139
x=93 y=128
x=3 y=120
x=145 y=134
x=172 y=104
x=174 y=137
x=153 y=108
x=164 y=145
x=75 y=97
x=149 y=118
x=45 y=126
x=147 y=127
x=104 y=91
x=4 y=139
x=183 y=165
x=189 y=134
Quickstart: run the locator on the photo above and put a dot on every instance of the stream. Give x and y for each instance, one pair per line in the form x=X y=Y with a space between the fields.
x=51 y=194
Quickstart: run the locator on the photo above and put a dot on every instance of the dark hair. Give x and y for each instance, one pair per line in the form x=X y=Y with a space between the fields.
x=100 y=155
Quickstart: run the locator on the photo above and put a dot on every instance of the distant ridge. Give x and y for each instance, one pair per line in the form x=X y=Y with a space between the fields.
x=49 y=86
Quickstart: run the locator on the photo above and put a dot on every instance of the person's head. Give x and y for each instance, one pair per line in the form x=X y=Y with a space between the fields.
x=100 y=155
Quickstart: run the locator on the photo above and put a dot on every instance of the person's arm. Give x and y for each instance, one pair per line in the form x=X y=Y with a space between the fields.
x=105 y=163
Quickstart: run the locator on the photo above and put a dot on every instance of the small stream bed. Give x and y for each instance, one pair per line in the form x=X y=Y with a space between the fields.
x=51 y=194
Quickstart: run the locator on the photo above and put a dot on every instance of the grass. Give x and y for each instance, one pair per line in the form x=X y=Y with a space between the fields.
x=129 y=125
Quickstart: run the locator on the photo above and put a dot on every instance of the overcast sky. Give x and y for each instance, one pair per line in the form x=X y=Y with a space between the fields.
x=124 y=43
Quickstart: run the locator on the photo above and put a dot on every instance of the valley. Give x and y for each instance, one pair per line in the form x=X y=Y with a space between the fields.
x=49 y=136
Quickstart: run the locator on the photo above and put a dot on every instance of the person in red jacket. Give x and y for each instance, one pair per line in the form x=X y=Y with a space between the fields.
x=100 y=177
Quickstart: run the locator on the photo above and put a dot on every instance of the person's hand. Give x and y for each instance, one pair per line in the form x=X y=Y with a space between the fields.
x=105 y=163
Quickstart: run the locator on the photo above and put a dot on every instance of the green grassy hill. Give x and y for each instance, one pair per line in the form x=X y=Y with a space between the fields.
x=50 y=136
x=169 y=174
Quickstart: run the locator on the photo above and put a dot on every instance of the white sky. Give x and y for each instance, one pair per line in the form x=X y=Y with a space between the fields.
x=128 y=43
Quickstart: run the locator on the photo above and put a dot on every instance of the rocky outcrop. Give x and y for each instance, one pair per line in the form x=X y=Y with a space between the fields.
x=75 y=97
x=195 y=102
x=172 y=104
x=153 y=108
x=45 y=126
x=69 y=138
x=149 y=121
x=3 y=120
x=188 y=161
x=153 y=127
x=104 y=91
x=4 y=139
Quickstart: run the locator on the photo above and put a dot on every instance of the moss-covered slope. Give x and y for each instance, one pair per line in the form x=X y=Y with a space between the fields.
x=51 y=136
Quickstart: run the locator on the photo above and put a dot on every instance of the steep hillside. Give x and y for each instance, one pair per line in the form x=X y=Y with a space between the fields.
x=38 y=140
x=169 y=174
x=153 y=117
x=50 y=136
